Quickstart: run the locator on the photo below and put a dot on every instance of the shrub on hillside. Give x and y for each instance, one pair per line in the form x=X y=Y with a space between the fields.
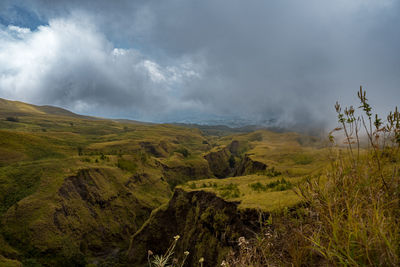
x=12 y=119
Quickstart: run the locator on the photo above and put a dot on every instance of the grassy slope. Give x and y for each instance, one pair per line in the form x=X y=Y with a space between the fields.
x=291 y=155
x=239 y=189
x=46 y=145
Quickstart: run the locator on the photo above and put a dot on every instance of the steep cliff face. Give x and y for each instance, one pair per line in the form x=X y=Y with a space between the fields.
x=209 y=227
x=219 y=162
x=113 y=211
x=176 y=174
x=249 y=166
x=90 y=217
x=230 y=161
x=234 y=148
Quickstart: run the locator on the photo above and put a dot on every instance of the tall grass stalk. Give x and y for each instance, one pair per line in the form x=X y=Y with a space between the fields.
x=358 y=201
x=167 y=259
x=350 y=214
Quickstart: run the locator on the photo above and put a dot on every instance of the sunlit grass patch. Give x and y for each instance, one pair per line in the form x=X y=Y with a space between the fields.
x=274 y=193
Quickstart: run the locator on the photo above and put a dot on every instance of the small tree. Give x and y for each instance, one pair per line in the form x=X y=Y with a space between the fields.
x=12 y=119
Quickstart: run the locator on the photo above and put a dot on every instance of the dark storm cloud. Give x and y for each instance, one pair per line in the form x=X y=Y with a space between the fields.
x=255 y=60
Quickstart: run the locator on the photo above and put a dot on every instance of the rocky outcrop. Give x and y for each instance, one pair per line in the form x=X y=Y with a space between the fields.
x=209 y=227
x=249 y=166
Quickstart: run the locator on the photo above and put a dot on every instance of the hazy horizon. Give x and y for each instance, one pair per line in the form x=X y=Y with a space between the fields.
x=276 y=63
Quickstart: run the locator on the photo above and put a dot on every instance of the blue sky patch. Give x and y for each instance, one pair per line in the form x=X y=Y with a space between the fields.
x=21 y=17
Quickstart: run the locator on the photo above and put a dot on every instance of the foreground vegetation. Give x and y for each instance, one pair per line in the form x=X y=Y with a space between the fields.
x=350 y=214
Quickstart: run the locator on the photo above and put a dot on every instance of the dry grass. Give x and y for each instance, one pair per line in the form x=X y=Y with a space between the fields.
x=351 y=214
x=358 y=207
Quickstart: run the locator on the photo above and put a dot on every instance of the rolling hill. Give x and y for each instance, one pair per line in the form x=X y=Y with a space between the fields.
x=74 y=189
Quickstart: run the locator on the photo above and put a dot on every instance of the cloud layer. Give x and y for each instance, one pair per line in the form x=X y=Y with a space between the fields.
x=258 y=61
x=71 y=64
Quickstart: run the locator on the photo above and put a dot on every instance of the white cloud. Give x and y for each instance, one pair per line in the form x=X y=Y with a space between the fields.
x=285 y=60
x=20 y=31
x=155 y=72
x=70 y=63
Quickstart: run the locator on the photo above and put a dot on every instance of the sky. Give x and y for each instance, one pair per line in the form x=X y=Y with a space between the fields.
x=278 y=63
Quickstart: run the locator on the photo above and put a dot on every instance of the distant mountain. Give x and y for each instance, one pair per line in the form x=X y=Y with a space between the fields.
x=133 y=121
x=17 y=108
x=221 y=130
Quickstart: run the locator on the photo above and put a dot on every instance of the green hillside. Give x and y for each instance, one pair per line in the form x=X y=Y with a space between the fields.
x=73 y=189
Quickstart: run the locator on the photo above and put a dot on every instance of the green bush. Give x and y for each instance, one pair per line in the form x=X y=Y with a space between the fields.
x=258 y=187
x=278 y=185
x=270 y=172
x=230 y=191
x=12 y=119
